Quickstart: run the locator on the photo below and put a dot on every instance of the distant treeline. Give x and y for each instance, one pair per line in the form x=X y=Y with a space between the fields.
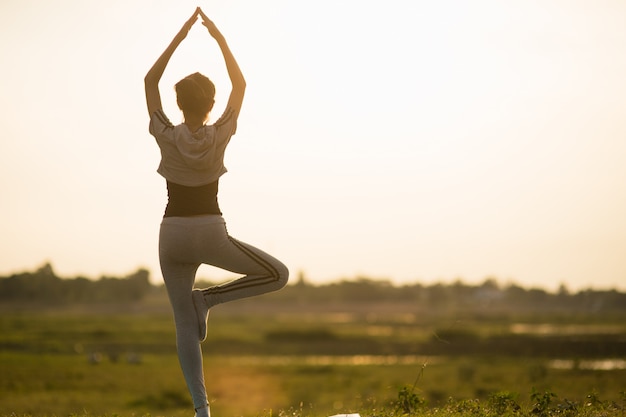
x=489 y=297
x=44 y=287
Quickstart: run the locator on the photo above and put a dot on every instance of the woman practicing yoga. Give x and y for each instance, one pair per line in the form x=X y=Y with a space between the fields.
x=193 y=231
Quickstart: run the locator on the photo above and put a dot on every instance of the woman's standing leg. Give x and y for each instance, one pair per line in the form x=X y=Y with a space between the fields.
x=179 y=278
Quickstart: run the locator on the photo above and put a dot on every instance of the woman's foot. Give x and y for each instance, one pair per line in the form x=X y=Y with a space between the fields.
x=202 y=311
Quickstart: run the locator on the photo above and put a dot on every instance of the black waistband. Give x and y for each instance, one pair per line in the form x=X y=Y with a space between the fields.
x=191 y=201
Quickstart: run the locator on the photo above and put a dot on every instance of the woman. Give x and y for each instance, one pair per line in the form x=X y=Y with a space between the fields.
x=193 y=230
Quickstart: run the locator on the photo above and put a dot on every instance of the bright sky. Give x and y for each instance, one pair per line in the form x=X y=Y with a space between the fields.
x=406 y=140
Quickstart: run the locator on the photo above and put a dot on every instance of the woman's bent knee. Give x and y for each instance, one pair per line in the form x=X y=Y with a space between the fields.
x=283 y=275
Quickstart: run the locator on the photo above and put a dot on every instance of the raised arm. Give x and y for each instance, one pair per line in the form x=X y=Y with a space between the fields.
x=234 y=73
x=151 y=80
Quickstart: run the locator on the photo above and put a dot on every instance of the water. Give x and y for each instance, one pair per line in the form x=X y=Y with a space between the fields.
x=325 y=360
x=607 y=364
x=565 y=329
x=588 y=364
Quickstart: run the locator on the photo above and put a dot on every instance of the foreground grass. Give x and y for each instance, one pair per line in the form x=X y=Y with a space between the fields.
x=125 y=365
x=409 y=404
x=70 y=385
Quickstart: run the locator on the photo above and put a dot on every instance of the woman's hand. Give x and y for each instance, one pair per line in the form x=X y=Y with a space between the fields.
x=151 y=80
x=182 y=34
x=208 y=23
x=234 y=73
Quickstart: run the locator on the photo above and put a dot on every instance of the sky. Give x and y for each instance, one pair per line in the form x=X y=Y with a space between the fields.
x=411 y=141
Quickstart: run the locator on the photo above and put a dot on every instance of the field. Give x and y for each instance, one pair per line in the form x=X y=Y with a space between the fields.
x=264 y=359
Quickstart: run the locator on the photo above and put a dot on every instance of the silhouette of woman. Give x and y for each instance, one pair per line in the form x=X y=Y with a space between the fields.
x=193 y=231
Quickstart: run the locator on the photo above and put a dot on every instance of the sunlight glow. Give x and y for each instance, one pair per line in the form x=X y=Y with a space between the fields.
x=402 y=140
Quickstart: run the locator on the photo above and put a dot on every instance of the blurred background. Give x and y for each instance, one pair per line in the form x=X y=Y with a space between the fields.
x=443 y=179
x=408 y=141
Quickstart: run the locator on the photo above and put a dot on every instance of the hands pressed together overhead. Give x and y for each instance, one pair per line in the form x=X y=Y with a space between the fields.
x=206 y=22
x=153 y=76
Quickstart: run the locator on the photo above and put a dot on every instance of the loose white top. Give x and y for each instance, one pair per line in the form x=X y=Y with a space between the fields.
x=192 y=158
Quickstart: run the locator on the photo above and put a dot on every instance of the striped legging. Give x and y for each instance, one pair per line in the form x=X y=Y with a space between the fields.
x=184 y=244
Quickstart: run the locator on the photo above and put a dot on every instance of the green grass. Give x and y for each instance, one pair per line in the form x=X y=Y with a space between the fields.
x=295 y=365
x=39 y=385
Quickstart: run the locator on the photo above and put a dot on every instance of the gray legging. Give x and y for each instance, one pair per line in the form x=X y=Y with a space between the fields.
x=184 y=244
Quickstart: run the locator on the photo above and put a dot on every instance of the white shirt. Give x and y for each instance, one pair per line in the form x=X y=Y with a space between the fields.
x=192 y=159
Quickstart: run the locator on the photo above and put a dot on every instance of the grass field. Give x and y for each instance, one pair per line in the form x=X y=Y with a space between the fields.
x=296 y=363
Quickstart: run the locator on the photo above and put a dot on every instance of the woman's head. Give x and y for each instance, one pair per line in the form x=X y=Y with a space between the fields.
x=195 y=95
